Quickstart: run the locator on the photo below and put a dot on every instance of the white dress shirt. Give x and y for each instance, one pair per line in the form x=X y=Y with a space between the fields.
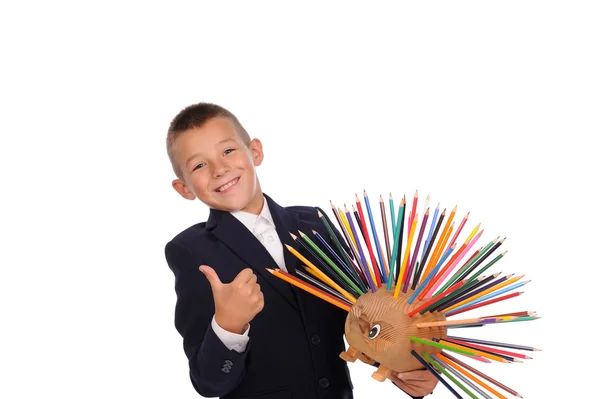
x=263 y=228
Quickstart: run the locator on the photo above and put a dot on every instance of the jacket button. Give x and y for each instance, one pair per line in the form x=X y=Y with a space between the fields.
x=323 y=383
x=315 y=339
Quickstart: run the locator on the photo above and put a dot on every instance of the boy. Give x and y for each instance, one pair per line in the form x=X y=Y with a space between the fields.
x=292 y=348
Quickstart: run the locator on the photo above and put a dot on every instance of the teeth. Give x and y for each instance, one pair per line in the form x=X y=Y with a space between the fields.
x=226 y=186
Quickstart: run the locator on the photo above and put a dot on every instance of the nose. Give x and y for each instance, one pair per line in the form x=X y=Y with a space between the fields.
x=220 y=168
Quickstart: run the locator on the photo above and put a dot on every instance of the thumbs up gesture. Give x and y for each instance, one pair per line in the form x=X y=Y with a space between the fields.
x=236 y=303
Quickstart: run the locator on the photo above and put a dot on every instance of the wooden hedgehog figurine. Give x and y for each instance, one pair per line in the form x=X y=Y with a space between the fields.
x=400 y=322
x=378 y=329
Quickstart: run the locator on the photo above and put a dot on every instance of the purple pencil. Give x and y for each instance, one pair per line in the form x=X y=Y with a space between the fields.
x=416 y=252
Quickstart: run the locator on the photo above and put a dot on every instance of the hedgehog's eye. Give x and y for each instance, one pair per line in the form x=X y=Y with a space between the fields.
x=374 y=332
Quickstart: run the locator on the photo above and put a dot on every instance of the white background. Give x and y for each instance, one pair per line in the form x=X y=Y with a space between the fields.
x=489 y=106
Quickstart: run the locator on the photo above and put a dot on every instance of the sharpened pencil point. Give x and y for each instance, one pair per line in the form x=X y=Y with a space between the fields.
x=301 y=233
x=319 y=214
x=293 y=236
x=314 y=232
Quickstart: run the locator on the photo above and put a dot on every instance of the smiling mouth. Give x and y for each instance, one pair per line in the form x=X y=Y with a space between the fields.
x=227 y=185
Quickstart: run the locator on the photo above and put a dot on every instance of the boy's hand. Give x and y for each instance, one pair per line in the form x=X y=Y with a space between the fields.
x=415 y=383
x=236 y=303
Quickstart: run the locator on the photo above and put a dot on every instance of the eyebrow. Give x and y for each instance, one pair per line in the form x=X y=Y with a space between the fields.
x=199 y=153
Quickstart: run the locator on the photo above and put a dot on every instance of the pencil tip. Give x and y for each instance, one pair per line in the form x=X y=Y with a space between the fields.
x=293 y=236
x=301 y=233
x=314 y=232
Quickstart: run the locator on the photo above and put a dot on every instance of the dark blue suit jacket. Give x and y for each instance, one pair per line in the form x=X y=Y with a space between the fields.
x=295 y=341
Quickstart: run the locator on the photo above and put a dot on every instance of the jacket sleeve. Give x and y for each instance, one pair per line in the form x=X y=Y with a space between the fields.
x=214 y=369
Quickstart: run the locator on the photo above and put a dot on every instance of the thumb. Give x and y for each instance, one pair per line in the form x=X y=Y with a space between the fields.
x=211 y=276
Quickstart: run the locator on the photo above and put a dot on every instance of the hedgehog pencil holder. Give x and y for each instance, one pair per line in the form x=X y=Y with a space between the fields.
x=378 y=329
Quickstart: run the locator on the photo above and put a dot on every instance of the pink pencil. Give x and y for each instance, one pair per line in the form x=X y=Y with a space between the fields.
x=453 y=265
x=462 y=224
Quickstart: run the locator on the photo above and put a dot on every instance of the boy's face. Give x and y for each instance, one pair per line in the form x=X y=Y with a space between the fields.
x=218 y=168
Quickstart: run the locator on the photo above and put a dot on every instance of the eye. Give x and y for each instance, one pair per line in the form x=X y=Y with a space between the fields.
x=200 y=165
x=228 y=151
x=374 y=332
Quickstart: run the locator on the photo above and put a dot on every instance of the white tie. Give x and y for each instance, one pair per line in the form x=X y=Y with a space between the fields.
x=267 y=235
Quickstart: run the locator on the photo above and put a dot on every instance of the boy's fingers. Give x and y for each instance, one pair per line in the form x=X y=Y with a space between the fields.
x=211 y=276
x=244 y=276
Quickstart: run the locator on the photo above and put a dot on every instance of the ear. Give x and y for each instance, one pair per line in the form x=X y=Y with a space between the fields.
x=257 y=151
x=183 y=190
x=364 y=324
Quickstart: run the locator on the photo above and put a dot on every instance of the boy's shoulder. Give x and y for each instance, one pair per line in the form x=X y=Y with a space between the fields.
x=190 y=234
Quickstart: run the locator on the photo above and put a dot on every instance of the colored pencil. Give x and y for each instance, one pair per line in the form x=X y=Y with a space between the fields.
x=447 y=296
x=342 y=250
x=454 y=371
x=350 y=272
x=429 y=244
x=463 y=272
x=487 y=378
x=499 y=344
x=479 y=291
x=495 y=291
x=357 y=248
x=326 y=278
x=439 y=248
x=376 y=242
x=487 y=348
x=367 y=239
x=483 y=354
x=328 y=260
x=320 y=284
x=398 y=258
x=483 y=269
x=488 y=302
x=405 y=260
x=325 y=269
x=359 y=222
x=349 y=241
x=308 y=288
x=443 y=371
x=416 y=251
x=455 y=363
x=434 y=372
x=418 y=292
x=442 y=346
x=443 y=323
x=434 y=299
x=397 y=245
x=451 y=265
x=386 y=235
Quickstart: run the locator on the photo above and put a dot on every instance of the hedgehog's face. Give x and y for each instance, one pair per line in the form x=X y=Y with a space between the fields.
x=376 y=334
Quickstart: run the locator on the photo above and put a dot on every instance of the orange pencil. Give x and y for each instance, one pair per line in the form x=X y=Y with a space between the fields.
x=471 y=376
x=308 y=288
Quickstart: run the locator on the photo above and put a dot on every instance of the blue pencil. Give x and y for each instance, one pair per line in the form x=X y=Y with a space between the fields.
x=375 y=238
x=488 y=296
x=431 y=274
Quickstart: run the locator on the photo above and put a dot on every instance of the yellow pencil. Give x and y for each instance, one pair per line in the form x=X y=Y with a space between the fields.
x=321 y=275
x=354 y=240
x=406 y=252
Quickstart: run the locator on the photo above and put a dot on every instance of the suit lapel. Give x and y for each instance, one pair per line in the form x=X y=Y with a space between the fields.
x=285 y=223
x=242 y=242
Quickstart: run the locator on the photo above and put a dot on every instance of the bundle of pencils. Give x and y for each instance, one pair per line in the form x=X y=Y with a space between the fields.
x=425 y=260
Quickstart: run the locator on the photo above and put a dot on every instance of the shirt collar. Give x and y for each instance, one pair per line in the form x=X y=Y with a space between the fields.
x=249 y=219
